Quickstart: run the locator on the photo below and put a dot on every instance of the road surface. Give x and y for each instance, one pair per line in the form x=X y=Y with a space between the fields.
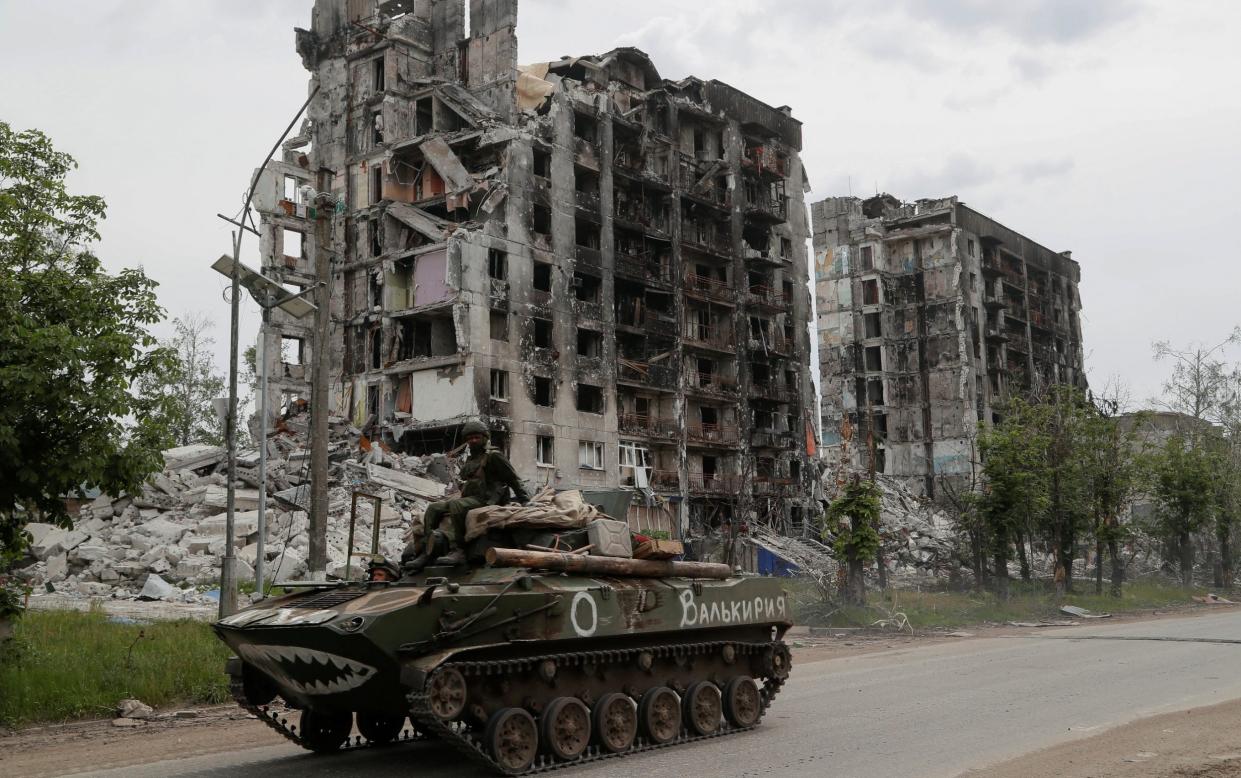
x=938 y=710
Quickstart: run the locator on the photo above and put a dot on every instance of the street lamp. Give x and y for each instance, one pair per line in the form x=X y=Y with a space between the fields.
x=268 y=294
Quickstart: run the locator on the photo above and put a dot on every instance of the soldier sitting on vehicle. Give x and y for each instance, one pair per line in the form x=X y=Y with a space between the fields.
x=486 y=479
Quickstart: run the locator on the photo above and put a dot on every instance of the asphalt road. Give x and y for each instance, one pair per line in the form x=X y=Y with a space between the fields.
x=938 y=710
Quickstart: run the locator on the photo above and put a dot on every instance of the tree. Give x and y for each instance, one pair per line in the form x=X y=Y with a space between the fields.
x=1184 y=488
x=73 y=339
x=1113 y=470
x=191 y=384
x=852 y=522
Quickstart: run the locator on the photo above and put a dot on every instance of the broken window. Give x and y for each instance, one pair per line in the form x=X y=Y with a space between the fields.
x=377 y=127
x=872 y=325
x=786 y=248
x=874 y=359
x=294 y=245
x=545 y=451
x=542 y=333
x=634 y=456
x=969 y=247
x=499 y=325
x=586 y=287
x=589 y=398
x=542 y=281
x=542 y=163
x=589 y=344
x=497 y=264
x=292 y=189
x=376 y=349
x=544 y=393
x=868 y=258
x=427 y=336
x=590 y=454
x=499 y=385
x=377 y=74
x=586 y=127
x=870 y=291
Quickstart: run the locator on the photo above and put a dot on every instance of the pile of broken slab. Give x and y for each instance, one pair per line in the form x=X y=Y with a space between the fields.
x=166 y=542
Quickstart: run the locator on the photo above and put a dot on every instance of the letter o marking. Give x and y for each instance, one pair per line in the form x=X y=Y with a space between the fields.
x=584 y=632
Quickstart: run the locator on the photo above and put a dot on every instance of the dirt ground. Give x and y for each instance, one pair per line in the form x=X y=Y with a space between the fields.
x=1200 y=743
x=1197 y=743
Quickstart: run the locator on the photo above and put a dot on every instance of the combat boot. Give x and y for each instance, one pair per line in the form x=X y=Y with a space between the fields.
x=434 y=547
x=452 y=558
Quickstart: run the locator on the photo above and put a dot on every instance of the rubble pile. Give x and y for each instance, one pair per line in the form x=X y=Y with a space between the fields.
x=918 y=538
x=166 y=542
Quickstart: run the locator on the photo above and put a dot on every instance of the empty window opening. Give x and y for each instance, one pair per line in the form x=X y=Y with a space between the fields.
x=376 y=349
x=424 y=116
x=589 y=344
x=585 y=127
x=542 y=333
x=586 y=287
x=375 y=290
x=377 y=182
x=585 y=180
x=542 y=163
x=795 y=471
x=541 y=219
x=292 y=350
x=870 y=291
x=872 y=325
x=497 y=264
x=544 y=392
x=499 y=325
x=376 y=237
x=294 y=245
x=590 y=455
x=710 y=466
x=499 y=385
x=708 y=416
x=874 y=391
x=377 y=74
x=874 y=359
x=586 y=234
x=786 y=248
x=423 y=337
x=589 y=398
x=542 y=280
x=545 y=451
x=763 y=419
x=759 y=372
x=377 y=127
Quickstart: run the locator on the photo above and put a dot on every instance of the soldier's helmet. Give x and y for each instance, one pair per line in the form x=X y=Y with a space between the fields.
x=475 y=428
x=387 y=565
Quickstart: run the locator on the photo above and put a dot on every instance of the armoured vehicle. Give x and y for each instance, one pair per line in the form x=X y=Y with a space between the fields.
x=522 y=671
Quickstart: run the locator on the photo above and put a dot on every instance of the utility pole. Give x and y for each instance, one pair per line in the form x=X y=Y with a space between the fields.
x=319 y=382
x=228 y=565
x=260 y=560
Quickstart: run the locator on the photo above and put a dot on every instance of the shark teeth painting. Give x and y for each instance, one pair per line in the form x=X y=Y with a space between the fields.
x=307 y=671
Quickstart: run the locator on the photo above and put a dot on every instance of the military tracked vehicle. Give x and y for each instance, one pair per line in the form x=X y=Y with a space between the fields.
x=523 y=671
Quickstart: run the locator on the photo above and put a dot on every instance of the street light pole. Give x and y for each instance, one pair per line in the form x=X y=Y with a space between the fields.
x=259 y=559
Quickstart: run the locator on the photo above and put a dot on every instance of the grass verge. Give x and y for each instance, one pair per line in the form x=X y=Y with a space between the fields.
x=64 y=665
x=942 y=609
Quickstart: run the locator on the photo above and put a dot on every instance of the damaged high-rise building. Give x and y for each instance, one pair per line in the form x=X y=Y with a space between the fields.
x=930 y=317
x=607 y=266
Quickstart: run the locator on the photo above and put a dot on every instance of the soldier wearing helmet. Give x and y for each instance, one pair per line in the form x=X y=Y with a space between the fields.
x=487 y=478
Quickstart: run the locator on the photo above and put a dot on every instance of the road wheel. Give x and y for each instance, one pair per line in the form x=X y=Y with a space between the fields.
x=565 y=730
x=447 y=692
x=323 y=732
x=513 y=739
x=743 y=704
x=703 y=708
x=660 y=714
x=777 y=661
x=616 y=721
x=378 y=728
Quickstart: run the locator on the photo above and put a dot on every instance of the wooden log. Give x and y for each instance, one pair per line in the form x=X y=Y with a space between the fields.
x=604 y=565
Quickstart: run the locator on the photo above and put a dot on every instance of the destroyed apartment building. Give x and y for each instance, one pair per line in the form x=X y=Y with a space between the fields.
x=930 y=317
x=607 y=266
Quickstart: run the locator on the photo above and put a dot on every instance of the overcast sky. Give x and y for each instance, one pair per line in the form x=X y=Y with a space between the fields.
x=1108 y=127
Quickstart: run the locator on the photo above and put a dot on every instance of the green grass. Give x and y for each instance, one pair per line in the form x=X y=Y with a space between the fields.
x=942 y=609
x=64 y=665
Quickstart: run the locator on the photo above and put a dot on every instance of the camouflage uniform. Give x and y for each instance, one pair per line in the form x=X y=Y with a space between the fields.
x=486 y=479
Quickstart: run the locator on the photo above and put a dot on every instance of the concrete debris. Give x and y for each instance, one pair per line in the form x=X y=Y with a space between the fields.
x=126 y=723
x=1213 y=599
x=165 y=543
x=1082 y=613
x=134 y=709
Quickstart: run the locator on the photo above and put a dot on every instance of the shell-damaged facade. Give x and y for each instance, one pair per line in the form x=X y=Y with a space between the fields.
x=607 y=266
